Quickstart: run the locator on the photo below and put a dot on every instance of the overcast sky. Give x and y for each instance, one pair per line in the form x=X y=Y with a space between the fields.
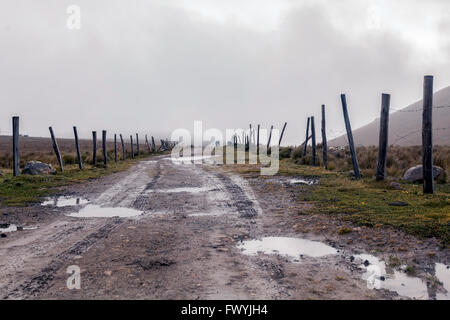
x=151 y=66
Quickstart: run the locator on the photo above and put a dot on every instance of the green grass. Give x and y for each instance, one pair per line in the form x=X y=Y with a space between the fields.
x=365 y=202
x=26 y=189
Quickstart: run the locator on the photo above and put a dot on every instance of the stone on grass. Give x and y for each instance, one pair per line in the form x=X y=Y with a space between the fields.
x=37 y=167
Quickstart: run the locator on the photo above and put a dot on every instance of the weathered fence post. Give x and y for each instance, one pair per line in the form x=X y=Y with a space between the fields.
x=313 y=141
x=153 y=144
x=115 y=148
x=15 y=124
x=56 y=149
x=282 y=133
x=307 y=137
x=132 y=147
x=324 y=140
x=383 y=138
x=350 y=138
x=104 y=147
x=257 y=142
x=270 y=137
x=137 y=144
x=427 y=135
x=124 y=151
x=148 y=145
x=77 y=146
x=94 y=148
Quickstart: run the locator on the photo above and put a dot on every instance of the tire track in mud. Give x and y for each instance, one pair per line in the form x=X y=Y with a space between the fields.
x=41 y=281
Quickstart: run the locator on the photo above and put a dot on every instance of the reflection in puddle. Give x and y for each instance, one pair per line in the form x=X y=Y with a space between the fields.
x=65 y=201
x=397 y=281
x=184 y=189
x=301 y=181
x=291 y=247
x=442 y=272
x=95 y=211
x=8 y=228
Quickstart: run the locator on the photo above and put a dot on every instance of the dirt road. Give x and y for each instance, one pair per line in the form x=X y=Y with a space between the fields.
x=172 y=230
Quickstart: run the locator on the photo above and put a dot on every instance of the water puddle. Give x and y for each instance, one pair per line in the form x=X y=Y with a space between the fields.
x=290 y=247
x=8 y=228
x=378 y=278
x=65 y=201
x=442 y=272
x=96 y=211
x=302 y=181
x=211 y=214
x=190 y=159
x=185 y=189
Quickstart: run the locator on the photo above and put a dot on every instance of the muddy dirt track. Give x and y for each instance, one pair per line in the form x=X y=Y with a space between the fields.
x=173 y=230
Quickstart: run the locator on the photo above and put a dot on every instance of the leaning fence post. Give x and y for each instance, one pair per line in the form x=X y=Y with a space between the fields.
x=147 y=144
x=282 y=133
x=124 y=152
x=15 y=124
x=153 y=144
x=307 y=137
x=77 y=146
x=104 y=147
x=115 y=148
x=56 y=149
x=350 y=138
x=324 y=140
x=427 y=135
x=132 y=147
x=383 y=138
x=270 y=137
x=137 y=144
x=313 y=141
x=94 y=148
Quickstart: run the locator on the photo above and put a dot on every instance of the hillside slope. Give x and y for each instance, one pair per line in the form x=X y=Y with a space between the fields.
x=405 y=125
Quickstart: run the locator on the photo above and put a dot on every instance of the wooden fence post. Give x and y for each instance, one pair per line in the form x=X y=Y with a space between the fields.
x=307 y=137
x=427 y=135
x=15 y=125
x=124 y=151
x=115 y=148
x=153 y=144
x=313 y=141
x=383 y=138
x=282 y=133
x=104 y=147
x=270 y=137
x=147 y=144
x=77 y=146
x=56 y=149
x=137 y=144
x=94 y=148
x=350 y=138
x=132 y=147
x=257 y=142
x=324 y=140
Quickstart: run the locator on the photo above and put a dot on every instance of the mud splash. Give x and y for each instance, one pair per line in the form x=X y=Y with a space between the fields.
x=65 y=201
x=378 y=277
x=96 y=211
x=291 y=247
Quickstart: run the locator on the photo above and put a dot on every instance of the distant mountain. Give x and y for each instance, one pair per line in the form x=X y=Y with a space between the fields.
x=405 y=126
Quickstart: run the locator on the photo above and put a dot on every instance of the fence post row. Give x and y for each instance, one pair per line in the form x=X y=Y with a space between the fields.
x=350 y=137
x=427 y=135
x=56 y=149
x=383 y=139
x=77 y=146
x=324 y=140
x=94 y=148
x=15 y=124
